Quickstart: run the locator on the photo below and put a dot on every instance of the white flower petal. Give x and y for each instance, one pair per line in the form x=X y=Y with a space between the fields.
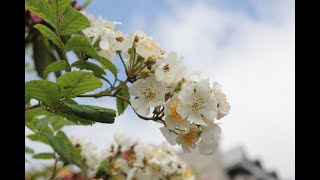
x=195 y=117
x=207 y=149
x=139 y=105
x=170 y=136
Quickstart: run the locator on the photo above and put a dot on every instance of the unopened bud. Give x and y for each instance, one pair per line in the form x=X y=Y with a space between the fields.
x=151 y=60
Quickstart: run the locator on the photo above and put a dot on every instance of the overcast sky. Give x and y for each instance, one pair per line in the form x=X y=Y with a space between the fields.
x=247 y=46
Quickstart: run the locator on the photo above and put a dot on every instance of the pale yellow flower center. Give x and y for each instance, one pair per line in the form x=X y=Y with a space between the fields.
x=149 y=94
x=197 y=104
x=191 y=136
x=151 y=47
x=225 y=99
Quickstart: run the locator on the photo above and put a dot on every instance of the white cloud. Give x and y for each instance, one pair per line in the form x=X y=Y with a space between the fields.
x=254 y=60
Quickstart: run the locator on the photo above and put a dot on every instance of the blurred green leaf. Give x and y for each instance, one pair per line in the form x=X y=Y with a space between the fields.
x=44 y=91
x=60 y=147
x=45 y=31
x=72 y=22
x=55 y=66
x=43 y=156
x=28 y=150
x=42 y=9
x=59 y=6
x=39 y=138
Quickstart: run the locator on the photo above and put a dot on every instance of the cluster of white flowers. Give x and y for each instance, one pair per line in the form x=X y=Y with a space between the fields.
x=92 y=155
x=190 y=105
x=186 y=104
x=145 y=161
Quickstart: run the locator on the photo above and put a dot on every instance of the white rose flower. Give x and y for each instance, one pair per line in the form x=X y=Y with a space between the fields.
x=196 y=101
x=173 y=118
x=187 y=139
x=209 y=139
x=120 y=41
x=169 y=69
x=149 y=93
x=223 y=105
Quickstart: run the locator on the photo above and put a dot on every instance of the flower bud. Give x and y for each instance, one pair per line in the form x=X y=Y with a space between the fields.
x=150 y=61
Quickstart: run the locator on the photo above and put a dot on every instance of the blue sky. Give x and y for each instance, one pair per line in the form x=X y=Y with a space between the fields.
x=247 y=46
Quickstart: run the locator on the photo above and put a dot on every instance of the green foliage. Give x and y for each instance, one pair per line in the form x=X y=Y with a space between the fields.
x=121 y=104
x=42 y=55
x=60 y=147
x=108 y=64
x=27 y=99
x=97 y=70
x=43 y=156
x=76 y=83
x=55 y=66
x=28 y=150
x=72 y=22
x=44 y=91
x=45 y=31
x=39 y=138
x=76 y=157
x=80 y=44
x=59 y=6
x=93 y=113
x=42 y=9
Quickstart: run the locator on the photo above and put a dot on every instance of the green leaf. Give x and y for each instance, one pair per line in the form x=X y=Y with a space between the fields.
x=42 y=9
x=121 y=104
x=28 y=150
x=72 y=22
x=55 y=66
x=27 y=99
x=108 y=64
x=97 y=71
x=44 y=91
x=61 y=4
x=74 y=152
x=80 y=44
x=39 y=138
x=45 y=31
x=60 y=147
x=69 y=114
x=29 y=114
x=43 y=156
x=75 y=83
x=93 y=113
x=42 y=55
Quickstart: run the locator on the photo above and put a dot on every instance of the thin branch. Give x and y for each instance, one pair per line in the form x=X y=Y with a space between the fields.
x=54 y=171
x=124 y=65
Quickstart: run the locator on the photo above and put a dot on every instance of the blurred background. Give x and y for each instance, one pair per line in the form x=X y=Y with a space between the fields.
x=248 y=46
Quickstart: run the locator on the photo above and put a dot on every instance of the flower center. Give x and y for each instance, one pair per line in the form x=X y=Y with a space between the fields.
x=174 y=113
x=166 y=68
x=197 y=104
x=149 y=94
x=190 y=137
x=225 y=99
x=119 y=39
